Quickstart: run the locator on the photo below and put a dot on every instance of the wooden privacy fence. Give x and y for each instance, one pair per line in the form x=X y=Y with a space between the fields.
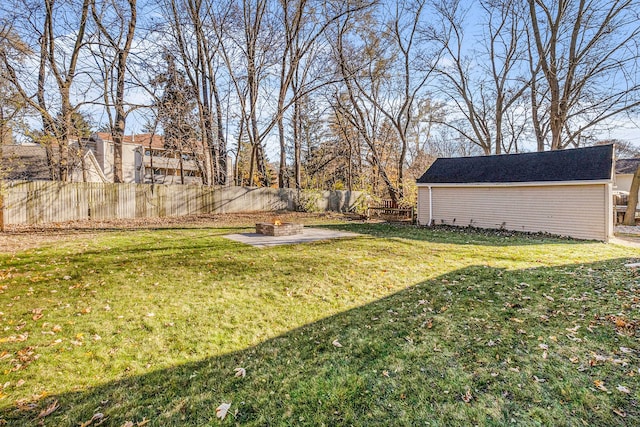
x=40 y=202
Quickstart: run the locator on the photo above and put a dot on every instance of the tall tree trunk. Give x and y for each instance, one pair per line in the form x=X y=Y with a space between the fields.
x=296 y=145
x=222 y=143
x=630 y=214
x=282 y=170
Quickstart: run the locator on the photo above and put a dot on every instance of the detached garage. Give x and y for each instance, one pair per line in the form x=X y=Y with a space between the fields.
x=565 y=192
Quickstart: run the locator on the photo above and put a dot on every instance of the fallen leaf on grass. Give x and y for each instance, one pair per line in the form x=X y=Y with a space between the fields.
x=538 y=380
x=221 y=411
x=37 y=314
x=13 y=338
x=620 y=413
x=240 y=372
x=467 y=396
x=144 y=422
x=336 y=343
x=49 y=409
x=98 y=417
x=600 y=385
x=623 y=389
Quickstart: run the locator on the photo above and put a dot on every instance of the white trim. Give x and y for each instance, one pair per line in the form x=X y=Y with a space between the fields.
x=515 y=184
x=609 y=215
x=430 y=206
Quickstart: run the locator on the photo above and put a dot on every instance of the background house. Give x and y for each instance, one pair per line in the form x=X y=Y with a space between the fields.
x=29 y=162
x=625 y=169
x=563 y=192
x=146 y=160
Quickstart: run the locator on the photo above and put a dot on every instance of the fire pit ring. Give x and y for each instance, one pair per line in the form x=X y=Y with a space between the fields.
x=277 y=228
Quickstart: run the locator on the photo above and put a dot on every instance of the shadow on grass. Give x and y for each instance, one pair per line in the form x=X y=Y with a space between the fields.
x=454 y=235
x=469 y=347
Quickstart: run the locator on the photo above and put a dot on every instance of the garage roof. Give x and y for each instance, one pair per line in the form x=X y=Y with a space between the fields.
x=579 y=164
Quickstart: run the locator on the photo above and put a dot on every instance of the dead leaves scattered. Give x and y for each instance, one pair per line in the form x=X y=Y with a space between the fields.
x=49 y=409
x=98 y=418
x=624 y=326
x=15 y=338
x=23 y=358
x=336 y=343
x=240 y=372
x=138 y=424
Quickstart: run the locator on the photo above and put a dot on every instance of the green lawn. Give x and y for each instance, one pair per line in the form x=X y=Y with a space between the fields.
x=401 y=326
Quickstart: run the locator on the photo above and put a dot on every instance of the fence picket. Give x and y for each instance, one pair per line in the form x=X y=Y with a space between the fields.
x=39 y=202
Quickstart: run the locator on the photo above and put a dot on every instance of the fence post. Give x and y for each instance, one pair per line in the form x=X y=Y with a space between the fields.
x=1 y=208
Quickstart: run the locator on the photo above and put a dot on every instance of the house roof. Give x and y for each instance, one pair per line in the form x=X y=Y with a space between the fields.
x=28 y=162
x=25 y=162
x=580 y=164
x=627 y=166
x=157 y=141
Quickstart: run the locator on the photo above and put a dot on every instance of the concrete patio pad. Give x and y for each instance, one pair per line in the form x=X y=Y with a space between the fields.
x=308 y=235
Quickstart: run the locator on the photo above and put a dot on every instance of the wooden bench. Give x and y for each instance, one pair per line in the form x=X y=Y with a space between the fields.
x=390 y=211
x=620 y=211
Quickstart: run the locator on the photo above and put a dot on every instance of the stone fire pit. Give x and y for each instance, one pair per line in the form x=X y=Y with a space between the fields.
x=279 y=228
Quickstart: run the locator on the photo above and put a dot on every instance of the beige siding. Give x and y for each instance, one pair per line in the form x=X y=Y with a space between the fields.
x=580 y=211
x=423 y=206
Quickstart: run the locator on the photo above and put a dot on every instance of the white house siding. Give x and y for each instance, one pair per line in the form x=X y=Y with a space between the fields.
x=623 y=182
x=579 y=211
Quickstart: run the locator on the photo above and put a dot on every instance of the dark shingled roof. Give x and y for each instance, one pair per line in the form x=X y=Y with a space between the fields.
x=580 y=164
x=627 y=165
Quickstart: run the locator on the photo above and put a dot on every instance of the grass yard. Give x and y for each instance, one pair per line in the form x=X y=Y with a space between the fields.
x=401 y=326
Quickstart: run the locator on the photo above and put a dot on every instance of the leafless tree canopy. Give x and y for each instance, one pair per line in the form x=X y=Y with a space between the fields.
x=353 y=94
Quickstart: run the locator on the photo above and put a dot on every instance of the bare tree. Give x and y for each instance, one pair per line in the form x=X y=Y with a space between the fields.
x=303 y=66
x=195 y=36
x=587 y=52
x=486 y=83
x=11 y=106
x=386 y=81
x=116 y=23
x=57 y=33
